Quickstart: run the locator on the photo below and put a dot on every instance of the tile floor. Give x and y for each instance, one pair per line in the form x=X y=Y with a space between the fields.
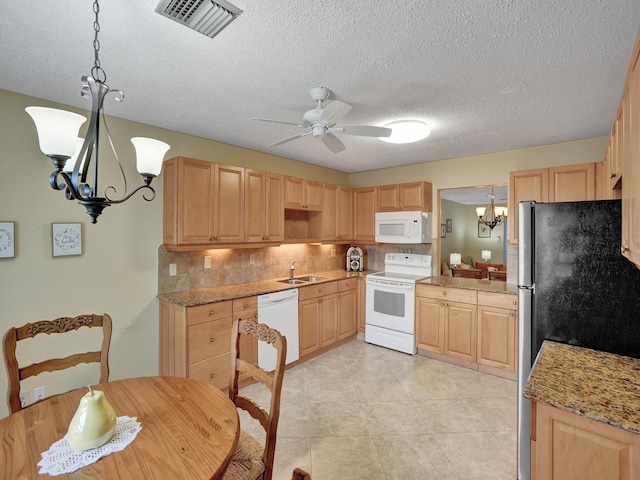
x=366 y=412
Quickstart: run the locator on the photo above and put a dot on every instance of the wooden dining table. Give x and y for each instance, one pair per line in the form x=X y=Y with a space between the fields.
x=190 y=430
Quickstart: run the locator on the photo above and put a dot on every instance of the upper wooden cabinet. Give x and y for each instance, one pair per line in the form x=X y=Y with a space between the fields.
x=416 y=196
x=303 y=194
x=264 y=206
x=203 y=202
x=364 y=200
x=337 y=213
x=568 y=183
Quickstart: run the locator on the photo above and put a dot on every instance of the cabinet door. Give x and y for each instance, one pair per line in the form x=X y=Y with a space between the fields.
x=293 y=193
x=460 y=331
x=365 y=208
x=572 y=183
x=387 y=198
x=416 y=196
x=308 y=322
x=274 y=207
x=347 y=322
x=330 y=212
x=345 y=213
x=497 y=338
x=570 y=446
x=254 y=205
x=229 y=204
x=195 y=201
x=631 y=183
x=328 y=311
x=525 y=185
x=430 y=324
x=313 y=195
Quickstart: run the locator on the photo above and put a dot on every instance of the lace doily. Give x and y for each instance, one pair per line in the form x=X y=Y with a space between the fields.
x=61 y=458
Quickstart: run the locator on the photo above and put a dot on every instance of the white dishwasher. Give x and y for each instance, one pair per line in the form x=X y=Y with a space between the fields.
x=279 y=310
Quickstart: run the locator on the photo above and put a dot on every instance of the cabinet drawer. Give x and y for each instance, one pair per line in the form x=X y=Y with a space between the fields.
x=498 y=300
x=447 y=293
x=208 y=312
x=347 y=284
x=318 y=290
x=209 y=339
x=246 y=303
x=215 y=371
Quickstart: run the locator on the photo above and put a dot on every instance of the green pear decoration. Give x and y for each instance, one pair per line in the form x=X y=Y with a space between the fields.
x=93 y=424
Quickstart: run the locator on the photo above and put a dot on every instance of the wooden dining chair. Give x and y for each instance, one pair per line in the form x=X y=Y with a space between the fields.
x=299 y=474
x=16 y=373
x=252 y=461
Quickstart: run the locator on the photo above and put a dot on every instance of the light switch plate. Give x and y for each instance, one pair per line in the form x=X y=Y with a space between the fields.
x=333 y=252
x=252 y=259
x=207 y=262
x=172 y=270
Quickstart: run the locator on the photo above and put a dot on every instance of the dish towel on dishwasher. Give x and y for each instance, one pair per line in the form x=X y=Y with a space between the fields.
x=61 y=458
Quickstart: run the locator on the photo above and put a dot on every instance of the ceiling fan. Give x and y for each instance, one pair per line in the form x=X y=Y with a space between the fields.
x=321 y=123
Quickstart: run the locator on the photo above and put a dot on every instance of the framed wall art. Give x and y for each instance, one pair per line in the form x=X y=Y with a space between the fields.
x=483 y=231
x=66 y=239
x=449 y=225
x=7 y=240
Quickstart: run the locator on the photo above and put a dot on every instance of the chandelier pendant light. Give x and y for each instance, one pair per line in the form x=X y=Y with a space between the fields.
x=495 y=216
x=74 y=164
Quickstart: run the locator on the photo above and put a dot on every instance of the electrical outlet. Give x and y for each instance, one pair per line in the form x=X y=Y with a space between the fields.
x=252 y=259
x=38 y=393
x=333 y=252
x=24 y=398
x=207 y=262
x=172 y=270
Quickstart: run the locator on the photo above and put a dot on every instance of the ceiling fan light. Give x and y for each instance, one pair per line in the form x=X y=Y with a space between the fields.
x=407 y=131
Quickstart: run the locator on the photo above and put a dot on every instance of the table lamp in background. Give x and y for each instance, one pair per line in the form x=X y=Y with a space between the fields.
x=486 y=255
x=455 y=259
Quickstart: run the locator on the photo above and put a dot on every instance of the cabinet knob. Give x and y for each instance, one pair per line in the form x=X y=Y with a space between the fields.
x=613 y=175
x=215 y=239
x=444 y=293
x=246 y=305
x=213 y=339
x=624 y=249
x=213 y=375
x=212 y=312
x=512 y=315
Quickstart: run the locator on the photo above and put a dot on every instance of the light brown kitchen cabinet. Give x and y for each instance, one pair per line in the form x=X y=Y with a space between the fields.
x=447 y=320
x=303 y=194
x=345 y=213
x=497 y=333
x=264 y=206
x=365 y=208
x=415 y=196
x=347 y=325
x=337 y=213
x=568 y=446
x=246 y=308
x=203 y=202
x=557 y=184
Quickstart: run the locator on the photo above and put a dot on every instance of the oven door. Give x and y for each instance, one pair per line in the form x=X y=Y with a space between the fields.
x=391 y=304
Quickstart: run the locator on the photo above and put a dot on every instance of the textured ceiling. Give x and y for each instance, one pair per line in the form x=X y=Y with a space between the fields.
x=486 y=75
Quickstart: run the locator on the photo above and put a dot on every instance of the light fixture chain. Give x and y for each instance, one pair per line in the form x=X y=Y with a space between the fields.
x=97 y=72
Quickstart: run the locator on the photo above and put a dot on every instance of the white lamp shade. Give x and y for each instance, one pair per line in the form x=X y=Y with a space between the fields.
x=480 y=211
x=149 y=155
x=455 y=259
x=57 y=129
x=500 y=211
x=71 y=163
x=486 y=255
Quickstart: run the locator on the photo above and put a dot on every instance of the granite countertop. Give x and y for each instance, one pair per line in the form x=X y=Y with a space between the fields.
x=598 y=385
x=202 y=296
x=472 y=284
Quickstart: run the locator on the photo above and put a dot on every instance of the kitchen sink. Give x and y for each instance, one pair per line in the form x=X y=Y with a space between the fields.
x=293 y=281
x=311 y=278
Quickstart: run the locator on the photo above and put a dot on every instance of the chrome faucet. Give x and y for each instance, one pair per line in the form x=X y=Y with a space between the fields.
x=292 y=269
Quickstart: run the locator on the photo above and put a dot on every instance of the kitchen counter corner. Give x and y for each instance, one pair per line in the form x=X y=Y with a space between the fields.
x=471 y=284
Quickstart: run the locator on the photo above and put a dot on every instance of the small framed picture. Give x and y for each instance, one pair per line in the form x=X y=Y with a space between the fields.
x=66 y=239
x=449 y=225
x=483 y=231
x=7 y=240
x=443 y=231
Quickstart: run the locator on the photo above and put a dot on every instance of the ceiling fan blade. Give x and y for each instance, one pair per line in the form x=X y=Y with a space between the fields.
x=364 y=130
x=288 y=139
x=334 y=112
x=279 y=121
x=333 y=143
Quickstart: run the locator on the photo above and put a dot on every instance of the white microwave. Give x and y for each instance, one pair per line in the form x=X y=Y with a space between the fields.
x=403 y=227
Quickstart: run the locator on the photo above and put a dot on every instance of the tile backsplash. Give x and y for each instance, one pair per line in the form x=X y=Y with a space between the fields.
x=232 y=266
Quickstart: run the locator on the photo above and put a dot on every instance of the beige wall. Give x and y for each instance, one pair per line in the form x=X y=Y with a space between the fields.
x=117 y=272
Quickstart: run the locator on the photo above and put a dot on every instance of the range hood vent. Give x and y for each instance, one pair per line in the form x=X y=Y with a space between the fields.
x=204 y=16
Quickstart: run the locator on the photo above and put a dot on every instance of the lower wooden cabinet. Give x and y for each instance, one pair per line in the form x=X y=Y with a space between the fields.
x=347 y=308
x=362 y=302
x=474 y=329
x=317 y=307
x=567 y=446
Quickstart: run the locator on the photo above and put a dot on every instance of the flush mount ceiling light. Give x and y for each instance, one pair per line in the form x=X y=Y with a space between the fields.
x=407 y=131
x=58 y=139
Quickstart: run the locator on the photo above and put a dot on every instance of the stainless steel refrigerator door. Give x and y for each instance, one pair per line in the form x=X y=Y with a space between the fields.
x=525 y=243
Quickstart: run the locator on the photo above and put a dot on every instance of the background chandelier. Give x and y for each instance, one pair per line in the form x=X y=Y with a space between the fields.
x=495 y=216
x=58 y=139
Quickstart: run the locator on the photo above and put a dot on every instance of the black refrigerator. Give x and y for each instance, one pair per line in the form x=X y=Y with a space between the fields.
x=574 y=287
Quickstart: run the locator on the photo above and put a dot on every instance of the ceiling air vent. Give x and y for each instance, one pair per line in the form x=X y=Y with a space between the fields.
x=204 y=16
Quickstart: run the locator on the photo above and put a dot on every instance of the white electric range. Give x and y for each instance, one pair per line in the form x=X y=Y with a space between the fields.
x=390 y=302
